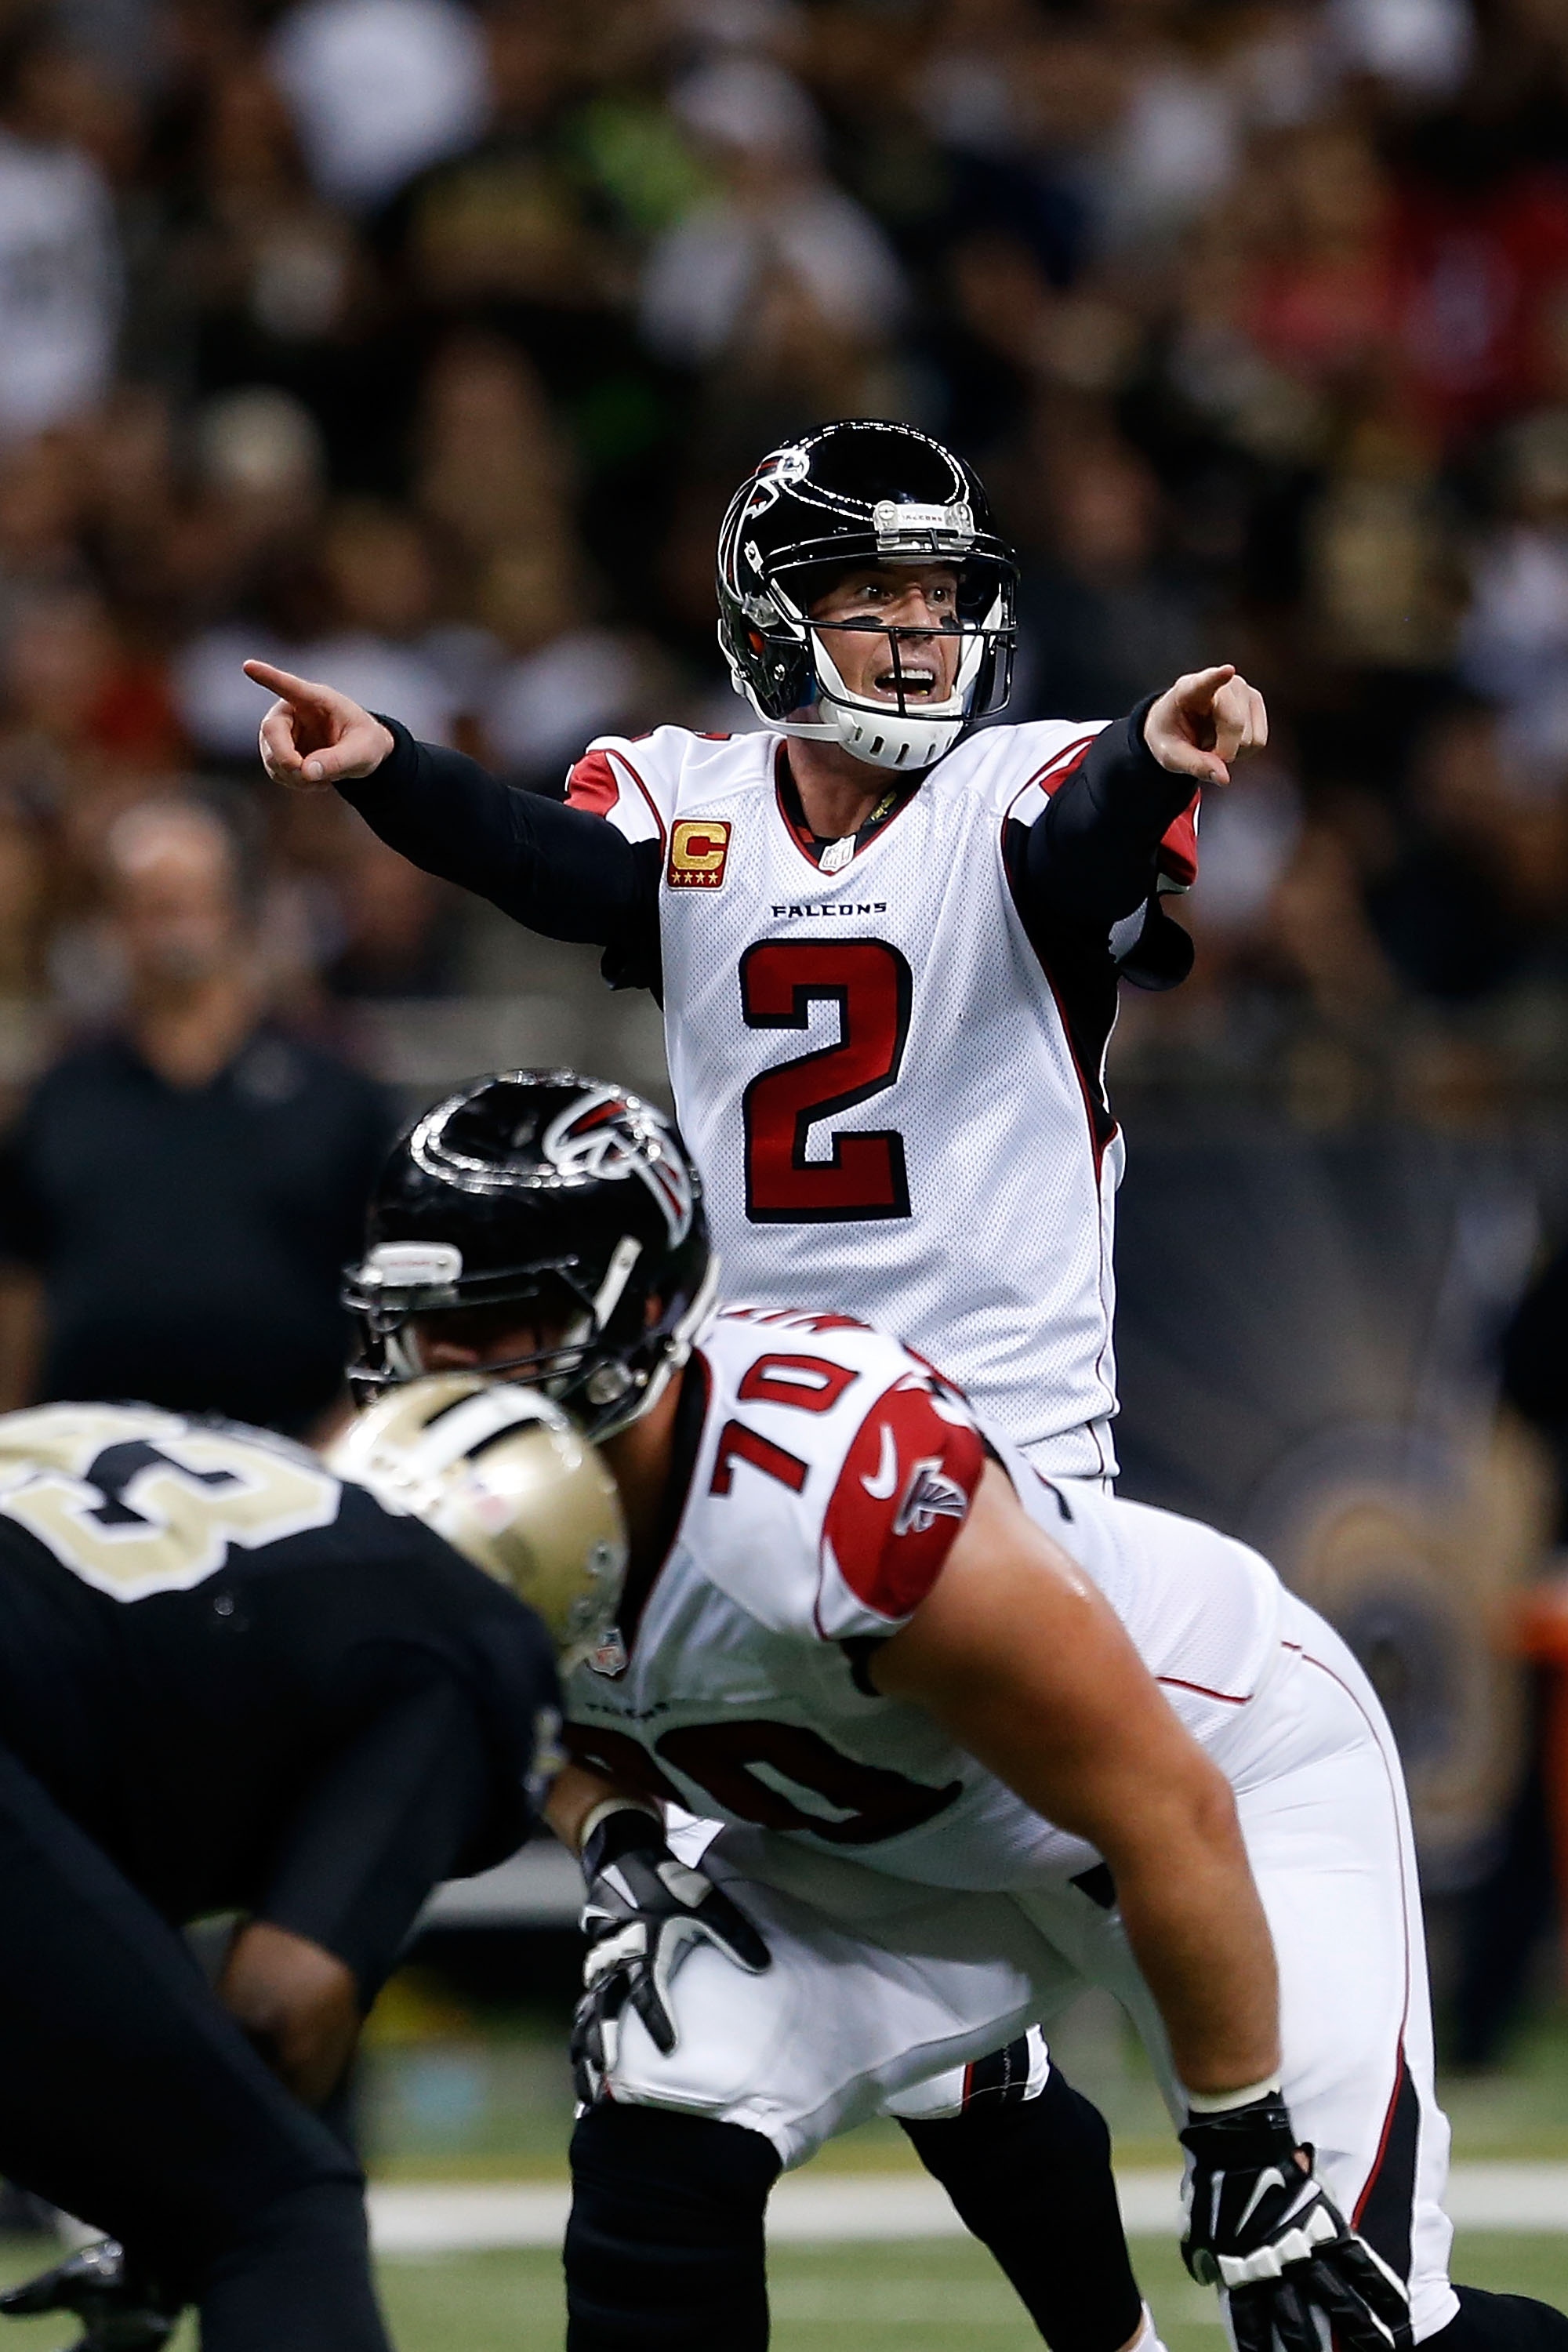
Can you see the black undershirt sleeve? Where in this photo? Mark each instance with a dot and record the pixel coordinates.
(560, 871)
(399, 1809)
(1089, 860)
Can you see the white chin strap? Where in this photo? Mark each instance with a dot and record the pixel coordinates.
(879, 732)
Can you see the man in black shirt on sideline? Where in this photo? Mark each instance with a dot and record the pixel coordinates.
(230, 1681)
(186, 1187)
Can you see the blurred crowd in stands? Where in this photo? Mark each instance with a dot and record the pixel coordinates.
(417, 345)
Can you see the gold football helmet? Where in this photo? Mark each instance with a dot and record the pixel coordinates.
(511, 1481)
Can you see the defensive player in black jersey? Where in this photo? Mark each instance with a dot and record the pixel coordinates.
(230, 1681)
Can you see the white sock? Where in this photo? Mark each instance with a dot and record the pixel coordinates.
(1148, 2337)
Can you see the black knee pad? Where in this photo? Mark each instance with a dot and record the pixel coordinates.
(1031, 2180)
(1500, 2323)
(1058, 2134)
(665, 2250)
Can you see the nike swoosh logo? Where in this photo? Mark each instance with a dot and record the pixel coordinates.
(885, 1483)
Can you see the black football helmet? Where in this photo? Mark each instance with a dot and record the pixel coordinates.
(855, 492)
(540, 1189)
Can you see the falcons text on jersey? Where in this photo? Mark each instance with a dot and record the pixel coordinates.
(895, 1097)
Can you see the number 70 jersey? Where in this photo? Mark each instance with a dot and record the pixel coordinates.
(822, 1475)
(894, 1096)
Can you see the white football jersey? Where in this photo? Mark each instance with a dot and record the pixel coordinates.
(894, 1103)
(828, 1472)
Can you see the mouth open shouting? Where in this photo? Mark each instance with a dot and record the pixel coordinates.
(910, 660)
(919, 679)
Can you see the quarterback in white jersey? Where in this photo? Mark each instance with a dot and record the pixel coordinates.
(869, 1064)
(975, 1739)
(888, 946)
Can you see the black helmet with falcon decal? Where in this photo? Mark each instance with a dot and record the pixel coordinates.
(863, 490)
(565, 1200)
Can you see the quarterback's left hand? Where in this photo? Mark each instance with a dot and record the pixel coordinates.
(1204, 722)
(644, 1911)
(1260, 2224)
(118, 2311)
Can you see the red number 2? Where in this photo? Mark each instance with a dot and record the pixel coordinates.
(864, 1175)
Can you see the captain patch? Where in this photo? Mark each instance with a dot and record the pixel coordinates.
(697, 851)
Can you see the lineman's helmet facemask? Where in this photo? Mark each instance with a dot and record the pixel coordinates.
(542, 1202)
(862, 492)
(506, 1477)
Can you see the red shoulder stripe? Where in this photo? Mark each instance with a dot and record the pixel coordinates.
(591, 784)
(902, 1495)
(1179, 849)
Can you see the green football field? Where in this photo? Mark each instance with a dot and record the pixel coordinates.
(452, 2094)
(941, 2296)
(938, 2297)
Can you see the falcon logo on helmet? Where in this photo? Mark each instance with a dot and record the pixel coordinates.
(862, 491)
(552, 1225)
(594, 1137)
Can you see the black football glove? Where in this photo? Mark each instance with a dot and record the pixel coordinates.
(645, 1910)
(1261, 2225)
(119, 2311)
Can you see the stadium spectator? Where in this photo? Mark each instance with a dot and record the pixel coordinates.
(1257, 317)
(184, 1189)
(379, 88)
(60, 278)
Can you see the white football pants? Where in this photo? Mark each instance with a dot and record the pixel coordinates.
(879, 1985)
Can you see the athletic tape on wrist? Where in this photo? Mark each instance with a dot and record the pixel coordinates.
(1220, 2103)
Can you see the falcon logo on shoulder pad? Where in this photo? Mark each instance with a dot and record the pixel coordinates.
(699, 851)
(929, 1496)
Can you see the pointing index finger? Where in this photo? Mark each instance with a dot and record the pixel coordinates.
(281, 681)
(1204, 684)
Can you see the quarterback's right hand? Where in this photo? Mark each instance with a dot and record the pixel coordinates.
(118, 2311)
(1261, 2226)
(644, 1909)
(313, 735)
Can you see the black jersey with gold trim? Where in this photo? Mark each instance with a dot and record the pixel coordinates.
(253, 1686)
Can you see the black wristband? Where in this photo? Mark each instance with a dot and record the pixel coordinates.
(628, 1830)
(1259, 2134)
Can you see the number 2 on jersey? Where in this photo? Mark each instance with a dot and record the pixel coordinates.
(864, 1174)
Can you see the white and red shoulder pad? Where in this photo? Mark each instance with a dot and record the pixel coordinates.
(837, 1470)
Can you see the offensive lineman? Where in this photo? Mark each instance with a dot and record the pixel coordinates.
(445, 1283)
(231, 1680)
(978, 1738)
